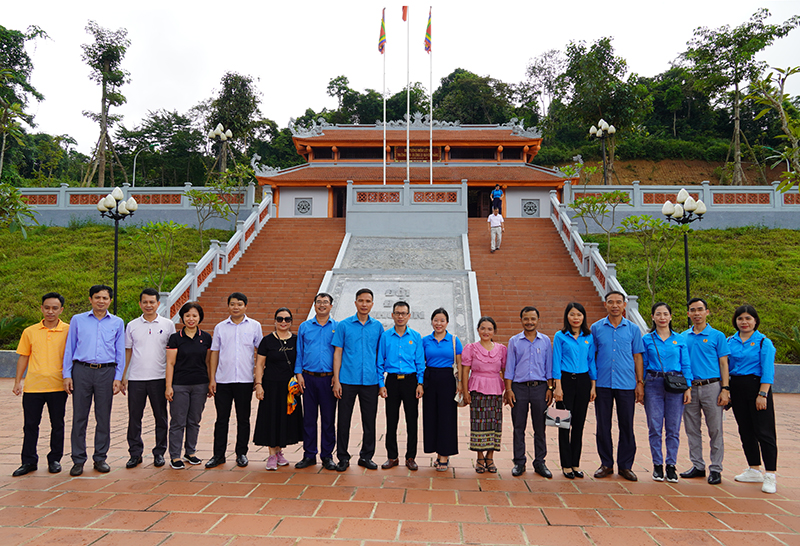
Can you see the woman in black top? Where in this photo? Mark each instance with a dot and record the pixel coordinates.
(275, 427)
(187, 384)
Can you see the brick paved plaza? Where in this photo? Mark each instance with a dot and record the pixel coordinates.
(234, 506)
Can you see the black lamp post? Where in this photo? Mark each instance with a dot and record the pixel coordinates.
(602, 132)
(115, 207)
(686, 211)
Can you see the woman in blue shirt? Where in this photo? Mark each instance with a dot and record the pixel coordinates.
(497, 198)
(752, 369)
(439, 409)
(575, 373)
(665, 353)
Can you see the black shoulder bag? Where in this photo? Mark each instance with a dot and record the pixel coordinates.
(672, 383)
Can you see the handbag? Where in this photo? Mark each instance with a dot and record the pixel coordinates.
(672, 383)
(561, 418)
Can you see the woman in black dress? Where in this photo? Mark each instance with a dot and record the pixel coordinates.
(275, 427)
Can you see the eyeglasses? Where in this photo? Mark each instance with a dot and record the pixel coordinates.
(283, 319)
(399, 314)
(322, 302)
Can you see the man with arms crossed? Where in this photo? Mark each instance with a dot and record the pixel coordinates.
(94, 360)
(708, 353)
(620, 372)
(230, 377)
(41, 354)
(145, 376)
(355, 374)
(401, 357)
(529, 383)
(314, 371)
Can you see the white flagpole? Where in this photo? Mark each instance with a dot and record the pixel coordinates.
(384, 104)
(408, 94)
(430, 147)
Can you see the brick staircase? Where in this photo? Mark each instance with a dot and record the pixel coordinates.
(532, 268)
(283, 267)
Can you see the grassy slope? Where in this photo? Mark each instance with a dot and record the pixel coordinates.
(70, 260)
(727, 268)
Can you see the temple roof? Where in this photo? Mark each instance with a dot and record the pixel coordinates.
(372, 173)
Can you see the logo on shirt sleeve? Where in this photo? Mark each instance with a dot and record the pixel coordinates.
(586, 341)
(674, 341)
(705, 341)
(752, 343)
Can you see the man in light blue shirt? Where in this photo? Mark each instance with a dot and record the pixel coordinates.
(355, 375)
(94, 362)
(314, 371)
(529, 381)
(401, 358)
(708, 354)
(620, 381)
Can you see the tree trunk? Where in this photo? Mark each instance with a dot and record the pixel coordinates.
(101, 148)
(738, 173)
(2, 154)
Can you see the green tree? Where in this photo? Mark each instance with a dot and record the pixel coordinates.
(724, 57)
(15, 212)
(471, 99)
(542, 76)
(104, 57)
(236, 107)
(597, 208)
(156, 243)
(16, 86)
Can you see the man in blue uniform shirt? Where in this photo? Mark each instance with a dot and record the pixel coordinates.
(94, 361)
(708, 354)
(401, 357)
(528, 379)
(620, 381)
(355, 375)
(314, 370)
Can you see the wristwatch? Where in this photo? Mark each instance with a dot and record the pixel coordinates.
(726, 387)
(762, 394)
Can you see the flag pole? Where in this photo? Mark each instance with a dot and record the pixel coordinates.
(383, 52)
(408, 95)
(430, 52)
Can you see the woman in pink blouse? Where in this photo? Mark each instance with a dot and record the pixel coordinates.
(482, 366)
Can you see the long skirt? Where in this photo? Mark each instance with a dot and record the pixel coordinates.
(274, 427)
(440, 412)
(485, 421)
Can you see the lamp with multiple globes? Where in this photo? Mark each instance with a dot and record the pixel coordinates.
(115, 206)
(602, 132)
(223, 135)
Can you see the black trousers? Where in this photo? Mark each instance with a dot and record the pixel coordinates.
(32, 407)
(603, 408)
(368, 404)
(228, 394)
(756, 427)
(401, 391)
(138, 393)
(440, 412)
(533, 399)
(576, 387)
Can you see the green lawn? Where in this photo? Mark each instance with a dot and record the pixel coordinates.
(727, 268)
(71, 259)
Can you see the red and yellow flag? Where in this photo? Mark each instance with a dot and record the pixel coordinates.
(382, 37)
(428, 34)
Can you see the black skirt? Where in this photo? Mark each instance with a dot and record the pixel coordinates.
(274, 427)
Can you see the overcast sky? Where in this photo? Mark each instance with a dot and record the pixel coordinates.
(180, 49)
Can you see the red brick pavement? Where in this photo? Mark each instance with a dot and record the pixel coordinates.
(234, 506)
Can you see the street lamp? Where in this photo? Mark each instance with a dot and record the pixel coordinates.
(114, 206)
(151, 147)
(223, 135)
(602, 132)
(686, 211)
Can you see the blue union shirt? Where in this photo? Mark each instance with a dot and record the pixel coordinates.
(671, 354)
(400, 354)
(751, 357)
(705, 350)
(314, 349)
(615, 350)
(572, 355)
(359, 344)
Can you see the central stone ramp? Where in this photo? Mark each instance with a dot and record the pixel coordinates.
(425, 272)
(532, 268)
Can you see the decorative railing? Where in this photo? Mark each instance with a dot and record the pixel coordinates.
(588, 260)
(219, 260)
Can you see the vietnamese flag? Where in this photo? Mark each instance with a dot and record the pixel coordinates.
(405, 13)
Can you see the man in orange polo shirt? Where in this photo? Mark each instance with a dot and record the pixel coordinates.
(41, 351)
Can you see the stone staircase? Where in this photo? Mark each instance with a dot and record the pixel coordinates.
(283, 267)
(532, 268)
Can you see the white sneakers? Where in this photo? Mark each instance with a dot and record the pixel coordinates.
(769, 485)
(752, 475)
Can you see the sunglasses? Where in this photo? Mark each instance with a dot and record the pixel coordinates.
(283, 319)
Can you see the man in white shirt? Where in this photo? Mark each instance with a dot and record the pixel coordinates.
(145, 376)
(496, 228)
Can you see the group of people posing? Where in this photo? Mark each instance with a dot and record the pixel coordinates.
(318, 374)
